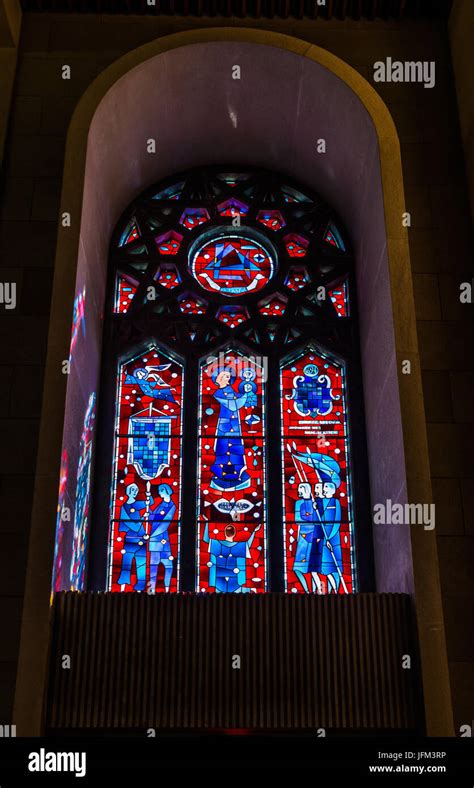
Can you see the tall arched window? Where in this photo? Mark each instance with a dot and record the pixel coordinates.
(230, 422)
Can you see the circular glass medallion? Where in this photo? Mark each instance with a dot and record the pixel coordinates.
(232, 265)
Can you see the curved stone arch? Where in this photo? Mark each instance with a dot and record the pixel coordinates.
(288, 97)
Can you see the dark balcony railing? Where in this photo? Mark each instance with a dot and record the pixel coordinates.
(170, 662)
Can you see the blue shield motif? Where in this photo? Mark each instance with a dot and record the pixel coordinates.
(149, 443)
(312, 393)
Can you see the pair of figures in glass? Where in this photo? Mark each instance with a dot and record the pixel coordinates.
(318, 546)
(134, 517)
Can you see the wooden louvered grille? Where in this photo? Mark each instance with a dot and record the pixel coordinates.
(339, 9)
(165, 661)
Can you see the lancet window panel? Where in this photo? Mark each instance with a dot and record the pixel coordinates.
(317, 496)
(231, 490)
(147, 475)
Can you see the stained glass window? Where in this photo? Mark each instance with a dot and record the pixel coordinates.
(297, 278)
(146, 485)
(168, 276)
(233, 316)
(271, 219)
(62, 519)
(233, 208)
(339, 295)
(318, 528)
(296, 245)
(231, 509)
(237, 272)
(192, 217)
(131, 233)
(273, 306)
(232, 265)
(294, 195)
(334, 238)
(169, 243)
(171, 193)
(81, 509)
(126, 288)
(78, 319)
(191, 305)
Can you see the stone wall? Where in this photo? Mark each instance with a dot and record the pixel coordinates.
(441, 253)
(461, 26)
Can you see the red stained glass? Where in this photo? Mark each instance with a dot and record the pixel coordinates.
(131, 233)
(231, 503)
(191, 305)
(146, 486)
(232, 208)
(169, 243)
(125, 290)
(230, 459)
(297, 278)
(232, 265)
(233, 316)
(193, 217)
(318, 523)
(61, 521)
(296, 245)
(168, 276)
(333, 237)
(274, 306)
(339, 296)
(271, 219)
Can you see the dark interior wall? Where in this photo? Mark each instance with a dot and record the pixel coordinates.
(441, 254)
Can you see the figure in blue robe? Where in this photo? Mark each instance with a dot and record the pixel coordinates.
(159, 542)
(304, 520)
(326, 554)
(228, 561)
(134, 544)
(314, 558)
(229, 469)
(249, 387)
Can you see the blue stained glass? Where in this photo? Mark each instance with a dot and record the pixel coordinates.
(232, 265)
(81, 511)
(146, 486)
(171, 192)
(231, 506)
(317, 498)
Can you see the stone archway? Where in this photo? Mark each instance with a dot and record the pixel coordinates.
(181, 92)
